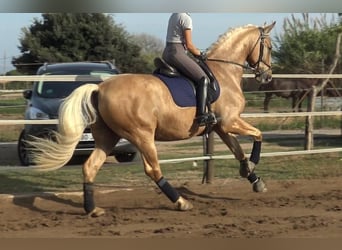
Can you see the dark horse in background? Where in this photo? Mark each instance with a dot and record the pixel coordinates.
(298, 89)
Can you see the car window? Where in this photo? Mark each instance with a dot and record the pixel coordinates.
(60, 89)
(57, 89)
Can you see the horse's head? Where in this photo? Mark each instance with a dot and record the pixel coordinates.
(259, 58)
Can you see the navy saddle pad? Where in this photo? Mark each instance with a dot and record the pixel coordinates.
(182, 90)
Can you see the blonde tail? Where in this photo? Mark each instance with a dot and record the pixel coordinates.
(75, 114)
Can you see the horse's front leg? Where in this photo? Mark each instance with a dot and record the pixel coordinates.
(247, 166)
(268, 97)
(295, 103)
(152, 169)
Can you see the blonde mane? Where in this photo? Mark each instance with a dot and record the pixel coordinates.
(228, 34)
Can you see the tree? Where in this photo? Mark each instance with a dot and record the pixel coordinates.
(307, 45)
(67, 37)
(151, 47)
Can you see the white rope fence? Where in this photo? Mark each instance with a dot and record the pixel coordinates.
(293, 114)
(270, 154)
(244, 115)
(71, 78)
(311, 76)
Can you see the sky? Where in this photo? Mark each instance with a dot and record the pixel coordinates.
(207, 27)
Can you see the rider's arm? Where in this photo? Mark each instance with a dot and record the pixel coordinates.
(188, 43)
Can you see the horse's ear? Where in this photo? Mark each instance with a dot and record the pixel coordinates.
(269, 27)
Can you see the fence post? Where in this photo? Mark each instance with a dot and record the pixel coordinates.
(309, 124)
(208, 165)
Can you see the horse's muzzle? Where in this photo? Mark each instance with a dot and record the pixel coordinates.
(264, 76)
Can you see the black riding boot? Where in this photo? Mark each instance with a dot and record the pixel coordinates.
(202, 117)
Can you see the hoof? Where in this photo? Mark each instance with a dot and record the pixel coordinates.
(97, 212)
(259, 186)
(183, 205)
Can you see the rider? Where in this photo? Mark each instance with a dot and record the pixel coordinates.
(178, 44)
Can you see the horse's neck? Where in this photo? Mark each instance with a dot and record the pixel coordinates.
(234, 49)
(234, 46)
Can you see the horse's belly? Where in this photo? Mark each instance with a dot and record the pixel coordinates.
(176, 130)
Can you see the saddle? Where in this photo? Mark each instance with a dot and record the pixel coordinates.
(170, 75)
(164, 68)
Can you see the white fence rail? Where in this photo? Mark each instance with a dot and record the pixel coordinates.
(51, 78)
(6, 79)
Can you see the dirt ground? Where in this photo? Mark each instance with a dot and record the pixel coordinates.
(227, 208)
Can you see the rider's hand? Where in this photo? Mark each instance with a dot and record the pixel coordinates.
(202, 56)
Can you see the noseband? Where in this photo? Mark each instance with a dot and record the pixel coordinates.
(254, 67)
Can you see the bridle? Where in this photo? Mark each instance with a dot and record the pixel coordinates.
(253, 67)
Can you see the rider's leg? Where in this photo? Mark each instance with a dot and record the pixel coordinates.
(175, 56)
(202, 116)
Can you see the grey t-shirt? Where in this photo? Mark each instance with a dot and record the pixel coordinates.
(178, 22)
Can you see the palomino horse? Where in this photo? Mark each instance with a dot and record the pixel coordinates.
(139, 107)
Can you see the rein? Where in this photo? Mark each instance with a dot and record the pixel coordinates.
(231, 62)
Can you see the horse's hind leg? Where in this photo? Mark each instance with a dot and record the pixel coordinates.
(152, 169)
(105, 140)
(247, 166)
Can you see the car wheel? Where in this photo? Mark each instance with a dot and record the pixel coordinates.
(22, 149)
(125, 157)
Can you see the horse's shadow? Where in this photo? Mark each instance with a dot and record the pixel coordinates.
(188, 194)
(184, 191)
(28, 200)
